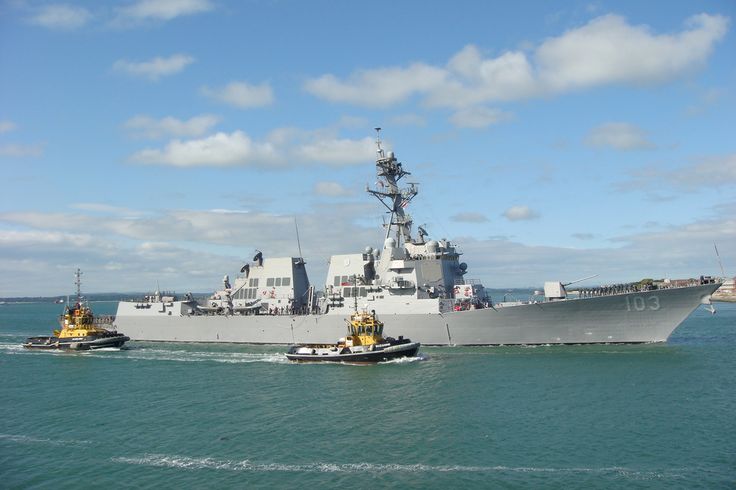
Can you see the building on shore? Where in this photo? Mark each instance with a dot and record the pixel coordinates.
(727, 292)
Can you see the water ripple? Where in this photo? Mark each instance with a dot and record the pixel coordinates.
(23, 439)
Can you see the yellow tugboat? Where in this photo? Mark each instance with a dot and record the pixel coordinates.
(78, 330)
(363, 344)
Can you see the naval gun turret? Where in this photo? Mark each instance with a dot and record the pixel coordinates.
(556, 291)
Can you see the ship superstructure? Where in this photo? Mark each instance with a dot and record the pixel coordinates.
(406, 268)
(420, 281)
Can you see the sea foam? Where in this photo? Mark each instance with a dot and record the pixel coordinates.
(190, 463)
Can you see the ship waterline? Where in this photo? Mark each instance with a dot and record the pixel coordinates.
(416, 285)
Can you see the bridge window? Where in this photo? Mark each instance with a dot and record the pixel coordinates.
(269, 282)
(278, 281)
(286, 281)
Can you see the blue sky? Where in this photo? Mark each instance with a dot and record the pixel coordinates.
(163, 141)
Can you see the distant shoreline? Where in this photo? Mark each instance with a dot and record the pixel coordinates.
(92, 298)
(11, 301)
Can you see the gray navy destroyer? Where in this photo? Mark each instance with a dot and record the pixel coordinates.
(417, 283)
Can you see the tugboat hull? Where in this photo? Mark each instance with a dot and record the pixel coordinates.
(83, 343)
(307, 353)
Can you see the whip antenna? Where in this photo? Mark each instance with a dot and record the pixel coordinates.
(298, 243)
(723, 274)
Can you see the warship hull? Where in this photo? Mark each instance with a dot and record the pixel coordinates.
(649, 316)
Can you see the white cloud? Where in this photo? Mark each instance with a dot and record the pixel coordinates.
(104, 209)
(16, 238)
(281, 148)
(607, 50)
(706, 100)
(14, 150)
(475, 80)
(228, 211)
(478, 117)
(619, 136)
(242, 94)
(705, 173)
(220, 149)
(148, 127)
(21, 151)
(154, 69)
(165, 9)
(378, 88)
(684, 243)
(61, 16)
(470, 217)
(331, 189)
(7, 126)
(190, 250)
(337, 151)
(708, 172)
(408, 119)
(26, 257)
(520, 213)
(352, 122)
(183, 249)
(213, 227)
(689, 253)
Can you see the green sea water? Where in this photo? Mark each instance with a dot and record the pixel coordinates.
(236, 416)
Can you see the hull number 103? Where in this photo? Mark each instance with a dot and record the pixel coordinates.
(640, 303)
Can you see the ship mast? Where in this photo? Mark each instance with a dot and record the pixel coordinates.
(389, 172)
(78, 282)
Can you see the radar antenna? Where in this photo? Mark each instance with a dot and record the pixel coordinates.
(422, 232)
(379, 150)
